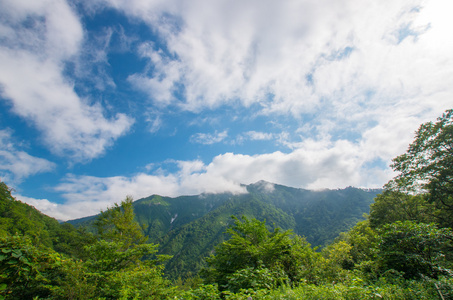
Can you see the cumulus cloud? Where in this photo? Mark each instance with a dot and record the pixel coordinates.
(355, 65)
(296, 51)
(315, 165)
(36, 41)
(15, 164)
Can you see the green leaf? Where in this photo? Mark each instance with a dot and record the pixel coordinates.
(17, 253)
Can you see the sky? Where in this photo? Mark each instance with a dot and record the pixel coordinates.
(100, 99)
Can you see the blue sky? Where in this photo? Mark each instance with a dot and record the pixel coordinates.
(101, 99)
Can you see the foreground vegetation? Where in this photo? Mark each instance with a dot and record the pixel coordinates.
(402, 250)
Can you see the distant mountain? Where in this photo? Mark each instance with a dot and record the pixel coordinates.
(189, 227)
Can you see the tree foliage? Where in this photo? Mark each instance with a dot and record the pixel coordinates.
(416, 250)
(255, 257)
(122, 264)
(427, 166)
(23, 268)
(118, 264)
(392, 206)
(22, 219)
(118, 225)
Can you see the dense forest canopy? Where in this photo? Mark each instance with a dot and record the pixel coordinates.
(401, 250)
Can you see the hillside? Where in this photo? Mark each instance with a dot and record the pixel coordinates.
(20, 218)
(189, 227)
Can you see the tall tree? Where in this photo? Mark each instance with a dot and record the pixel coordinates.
(255, 257)
(427, 166)
(118, 224)
(122, 264)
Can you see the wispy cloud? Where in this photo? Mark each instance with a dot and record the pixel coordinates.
(161, 83)
(15, 164)
(259, 136)
(36, 42)
(209, 138)
(154, 121)
(254, 136)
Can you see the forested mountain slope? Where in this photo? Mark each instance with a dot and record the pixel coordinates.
(20, 218)
(188, 227)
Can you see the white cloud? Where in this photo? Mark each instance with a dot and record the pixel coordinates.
(208, 139)
(32, 57)
(233, 49)
(16, 165)
(315, 165)
(259, 136)
(87, 195)
(349, 63)
(161, 84)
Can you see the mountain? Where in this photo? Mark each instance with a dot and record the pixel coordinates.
(189, 227)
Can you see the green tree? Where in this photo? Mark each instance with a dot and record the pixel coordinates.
(427, 166)
(416, 249)
(363, 254)
(392, 206)
(118, 225)
(121, 263)
(256, 257)
(73, 281)
(364, 241)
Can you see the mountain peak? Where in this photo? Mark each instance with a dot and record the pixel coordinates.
(263, 186)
